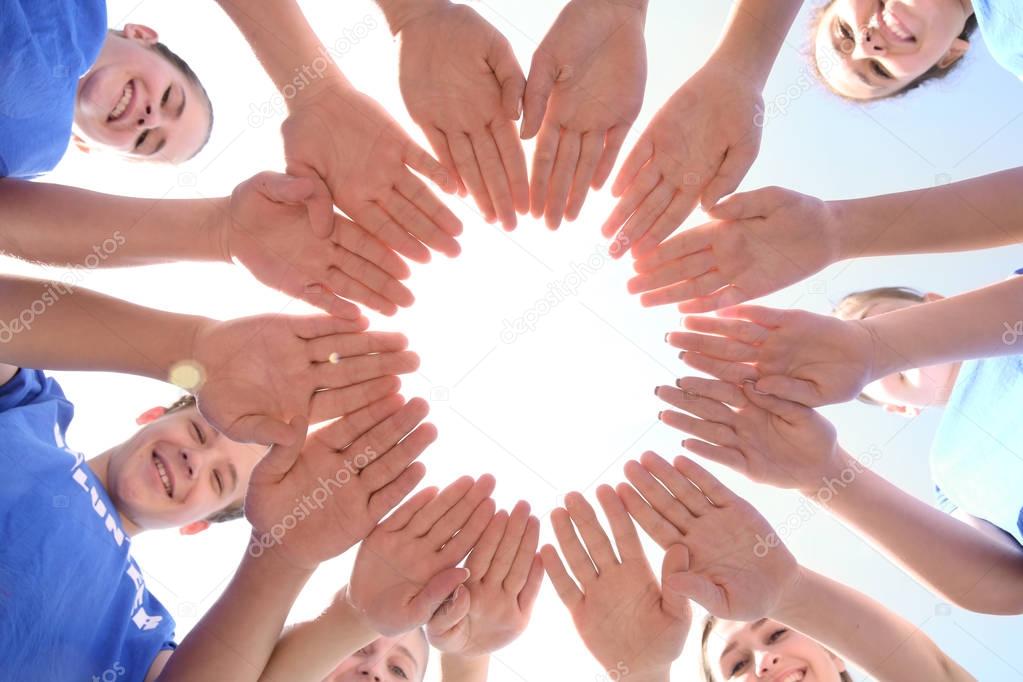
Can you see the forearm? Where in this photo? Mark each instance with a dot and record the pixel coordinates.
(979, 213)
(887, 647)
(311, 650)
(58, 225)
(235, 638)
(400, 12)
(935, 333)
(754, 35)
(284, 43)
(953, 559)
(459, 669)
(50, 325)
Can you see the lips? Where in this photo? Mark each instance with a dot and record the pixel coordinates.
(893, 27)
(791, 676)
(163, 472)
(123, 105)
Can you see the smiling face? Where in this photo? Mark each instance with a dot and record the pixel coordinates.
(177, 470)
(767, 651)
(388, 659)
(135, 101)
(867, 49)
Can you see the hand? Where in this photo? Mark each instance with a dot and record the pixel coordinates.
(591, 67)
(347, 139)
(463, 86)
(766, 439)
(369, 456)
(406, 567)
(699, 146)
(760, 242)
(493, 606)
(268, 230)
(738, 568)
(798, 356)
(256, 372)
(619, 609)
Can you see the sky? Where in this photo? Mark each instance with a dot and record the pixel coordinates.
(563, 406)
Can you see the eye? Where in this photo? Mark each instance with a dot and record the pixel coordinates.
(880, 70)
(844, 31)
(166, 97)
(200, 437)
(776, 635)
(141, 139)
(219, 481)
(399, 672)
(737, 668)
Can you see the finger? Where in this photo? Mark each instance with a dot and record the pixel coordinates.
(682, 204)
(538, 91)
(324, 298)
(679, 486)
(736, 164)
(756, 204)
(567, 589)
(279, 459)
(598, 545)
(439, 142)
(653, 205)
(327, 348)
(355, 239)
(388, 497)
(457, 517)
(719, 434)
(730, 457)
(722, 298)
(729, 372)
(437, 589)
(794, 390)
(469, 169)
(451, 613)
(634, 162)
(624, 531)
(721, 391)
(360, 368)
(393, 293)
(578, 560)
(747, 332)
(483, 553)
(308, 327)
(715, 346)
(343, 401)
(404, 514)
(657, 496)
(765, 317)
(423, 521)
(639, 190)
(679, 246)
(531, 588)
(310, 190)
(660, 530)
(508, 548)
(525, 559)
(680, 270)
(388, 466)
(418, 159)
(420, 196)
(791, 412)
(456, 549)
(700, 589)
(364, 277)
(561, 177)
(612, 146)
(341, 433)
(380, 225)
(514, 159)
(713, 489)
(674, 603)
(489, 159)
(258, 429)
(697, 405)
(544, 156)
(591, 145)
(701, 285)
(509, 74)
(417, 223)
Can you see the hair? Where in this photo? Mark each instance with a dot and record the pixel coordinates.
(237, 511)
(855, 307)
(934, 73)
(708, 672)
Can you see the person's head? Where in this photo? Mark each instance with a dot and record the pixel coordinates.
(177, 471)
(873, 49)
(142, 100)
(907, 392)
(767, 651)
(388, 659)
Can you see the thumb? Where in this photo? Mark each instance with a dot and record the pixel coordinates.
(733, 169)
(430, 598)
(307, 188)
(451, 612)
(789, 411)
(787, 388)
(676, 560)
(509, 74)
(697, 587)
(262, 429)
(739, 206)
(282, 456)
(538, 91)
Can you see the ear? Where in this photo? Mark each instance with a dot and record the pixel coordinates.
(80, 144)
(194, 527)
(140, 33)
(150, 415)
(958, 48)
(932, 297)
(895, 409)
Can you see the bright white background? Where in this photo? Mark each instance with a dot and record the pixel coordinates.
(564, 406)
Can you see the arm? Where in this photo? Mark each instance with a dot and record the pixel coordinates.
(753, 37)
(455, 668)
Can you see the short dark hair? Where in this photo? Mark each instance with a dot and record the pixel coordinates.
(934, 73)
(182, 66)
(231, 513)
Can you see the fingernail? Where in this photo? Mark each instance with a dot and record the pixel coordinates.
(659, 414)
(656, 389)
(678, 382)
(666, 337)
(681, 355)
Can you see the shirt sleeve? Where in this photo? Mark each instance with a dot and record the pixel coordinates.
(943, 503)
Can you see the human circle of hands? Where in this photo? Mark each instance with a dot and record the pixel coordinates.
(447, 558)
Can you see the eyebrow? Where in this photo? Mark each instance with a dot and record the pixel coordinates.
(732, 645)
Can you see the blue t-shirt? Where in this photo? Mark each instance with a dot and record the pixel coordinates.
(45, 47)
(1001, 24)
(977, 455)
(73, 604)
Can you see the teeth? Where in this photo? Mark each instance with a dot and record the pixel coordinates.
(163, 475)
(122, 104)
(896, 27)
(792, 677)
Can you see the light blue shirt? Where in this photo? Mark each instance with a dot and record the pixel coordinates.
(1001, 24)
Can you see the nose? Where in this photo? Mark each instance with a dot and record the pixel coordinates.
(148, 118)
(191, 463)
(369, 672)
(766, 662)
(870, 44)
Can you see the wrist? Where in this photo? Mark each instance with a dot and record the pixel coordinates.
(459, 667)
(399, 13)
(835, 466)
(217, 230)
(625, 674)
(884, 360)
(793, 598)
(639, 6)
(347, 619)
